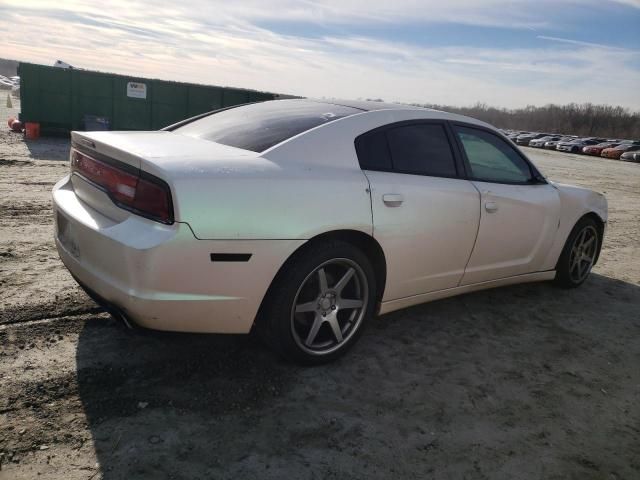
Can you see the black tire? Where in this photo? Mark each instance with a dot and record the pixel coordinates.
(566, 273)
(281, 327)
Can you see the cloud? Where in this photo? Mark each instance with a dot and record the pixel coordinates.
(630, 3)
(578, 42)
(223, 43)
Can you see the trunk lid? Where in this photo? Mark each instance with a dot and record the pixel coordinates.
(158, 147)
(166, 155)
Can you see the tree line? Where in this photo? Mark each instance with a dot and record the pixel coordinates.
(585, 119)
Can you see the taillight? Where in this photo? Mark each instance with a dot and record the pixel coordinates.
(136, 191)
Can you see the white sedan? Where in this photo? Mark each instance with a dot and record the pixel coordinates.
(303, 219)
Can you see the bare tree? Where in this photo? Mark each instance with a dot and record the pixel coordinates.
(584, 119)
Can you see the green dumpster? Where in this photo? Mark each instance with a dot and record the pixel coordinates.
(63, 99)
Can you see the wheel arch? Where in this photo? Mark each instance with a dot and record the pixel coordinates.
(363, 241)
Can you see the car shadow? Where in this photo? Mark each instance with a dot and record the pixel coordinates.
(455, 387)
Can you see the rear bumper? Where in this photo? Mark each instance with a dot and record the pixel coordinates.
(160, 276)
(114, 310)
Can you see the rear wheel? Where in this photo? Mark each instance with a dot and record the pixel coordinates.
(579, 254)
(319, 306)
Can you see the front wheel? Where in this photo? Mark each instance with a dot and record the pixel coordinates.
(579, 254)
(320, 303)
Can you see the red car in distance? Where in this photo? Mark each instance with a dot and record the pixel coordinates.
(597, 149)
(616, 152)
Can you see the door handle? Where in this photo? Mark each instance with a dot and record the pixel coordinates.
(392, 199)
(491, 207)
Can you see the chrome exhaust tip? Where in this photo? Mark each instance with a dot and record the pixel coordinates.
(121, 317)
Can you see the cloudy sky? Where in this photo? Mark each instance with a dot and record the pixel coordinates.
(506, 53)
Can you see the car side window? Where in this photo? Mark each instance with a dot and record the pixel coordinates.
(373, 151)
(420, 148)
(491, 159)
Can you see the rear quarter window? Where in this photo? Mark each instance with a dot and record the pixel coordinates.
(373, 151)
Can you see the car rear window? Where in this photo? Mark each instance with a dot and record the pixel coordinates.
(421, 149)
(260, 126)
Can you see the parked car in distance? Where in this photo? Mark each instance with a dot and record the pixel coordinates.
(630, 156)
(551, 144)
(616, 152)
(576, 146)
(597, 149)
(524, 140)
(523, 136)
(515, 134)
(302, 219)
(540, 142)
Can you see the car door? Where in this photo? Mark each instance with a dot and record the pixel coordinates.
(424, 216)
(519, 213)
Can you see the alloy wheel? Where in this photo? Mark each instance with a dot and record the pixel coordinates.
(329, 306)
(583, 254)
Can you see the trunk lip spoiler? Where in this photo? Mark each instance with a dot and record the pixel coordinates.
(75, 145)
(86, 141)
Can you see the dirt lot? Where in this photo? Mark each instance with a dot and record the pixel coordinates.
(521, 382)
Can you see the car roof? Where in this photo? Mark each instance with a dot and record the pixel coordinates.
(367, 105)
(410, 112)
(362, 117)
(339, 135)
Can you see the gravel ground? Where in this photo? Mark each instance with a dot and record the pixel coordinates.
(522, 382)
